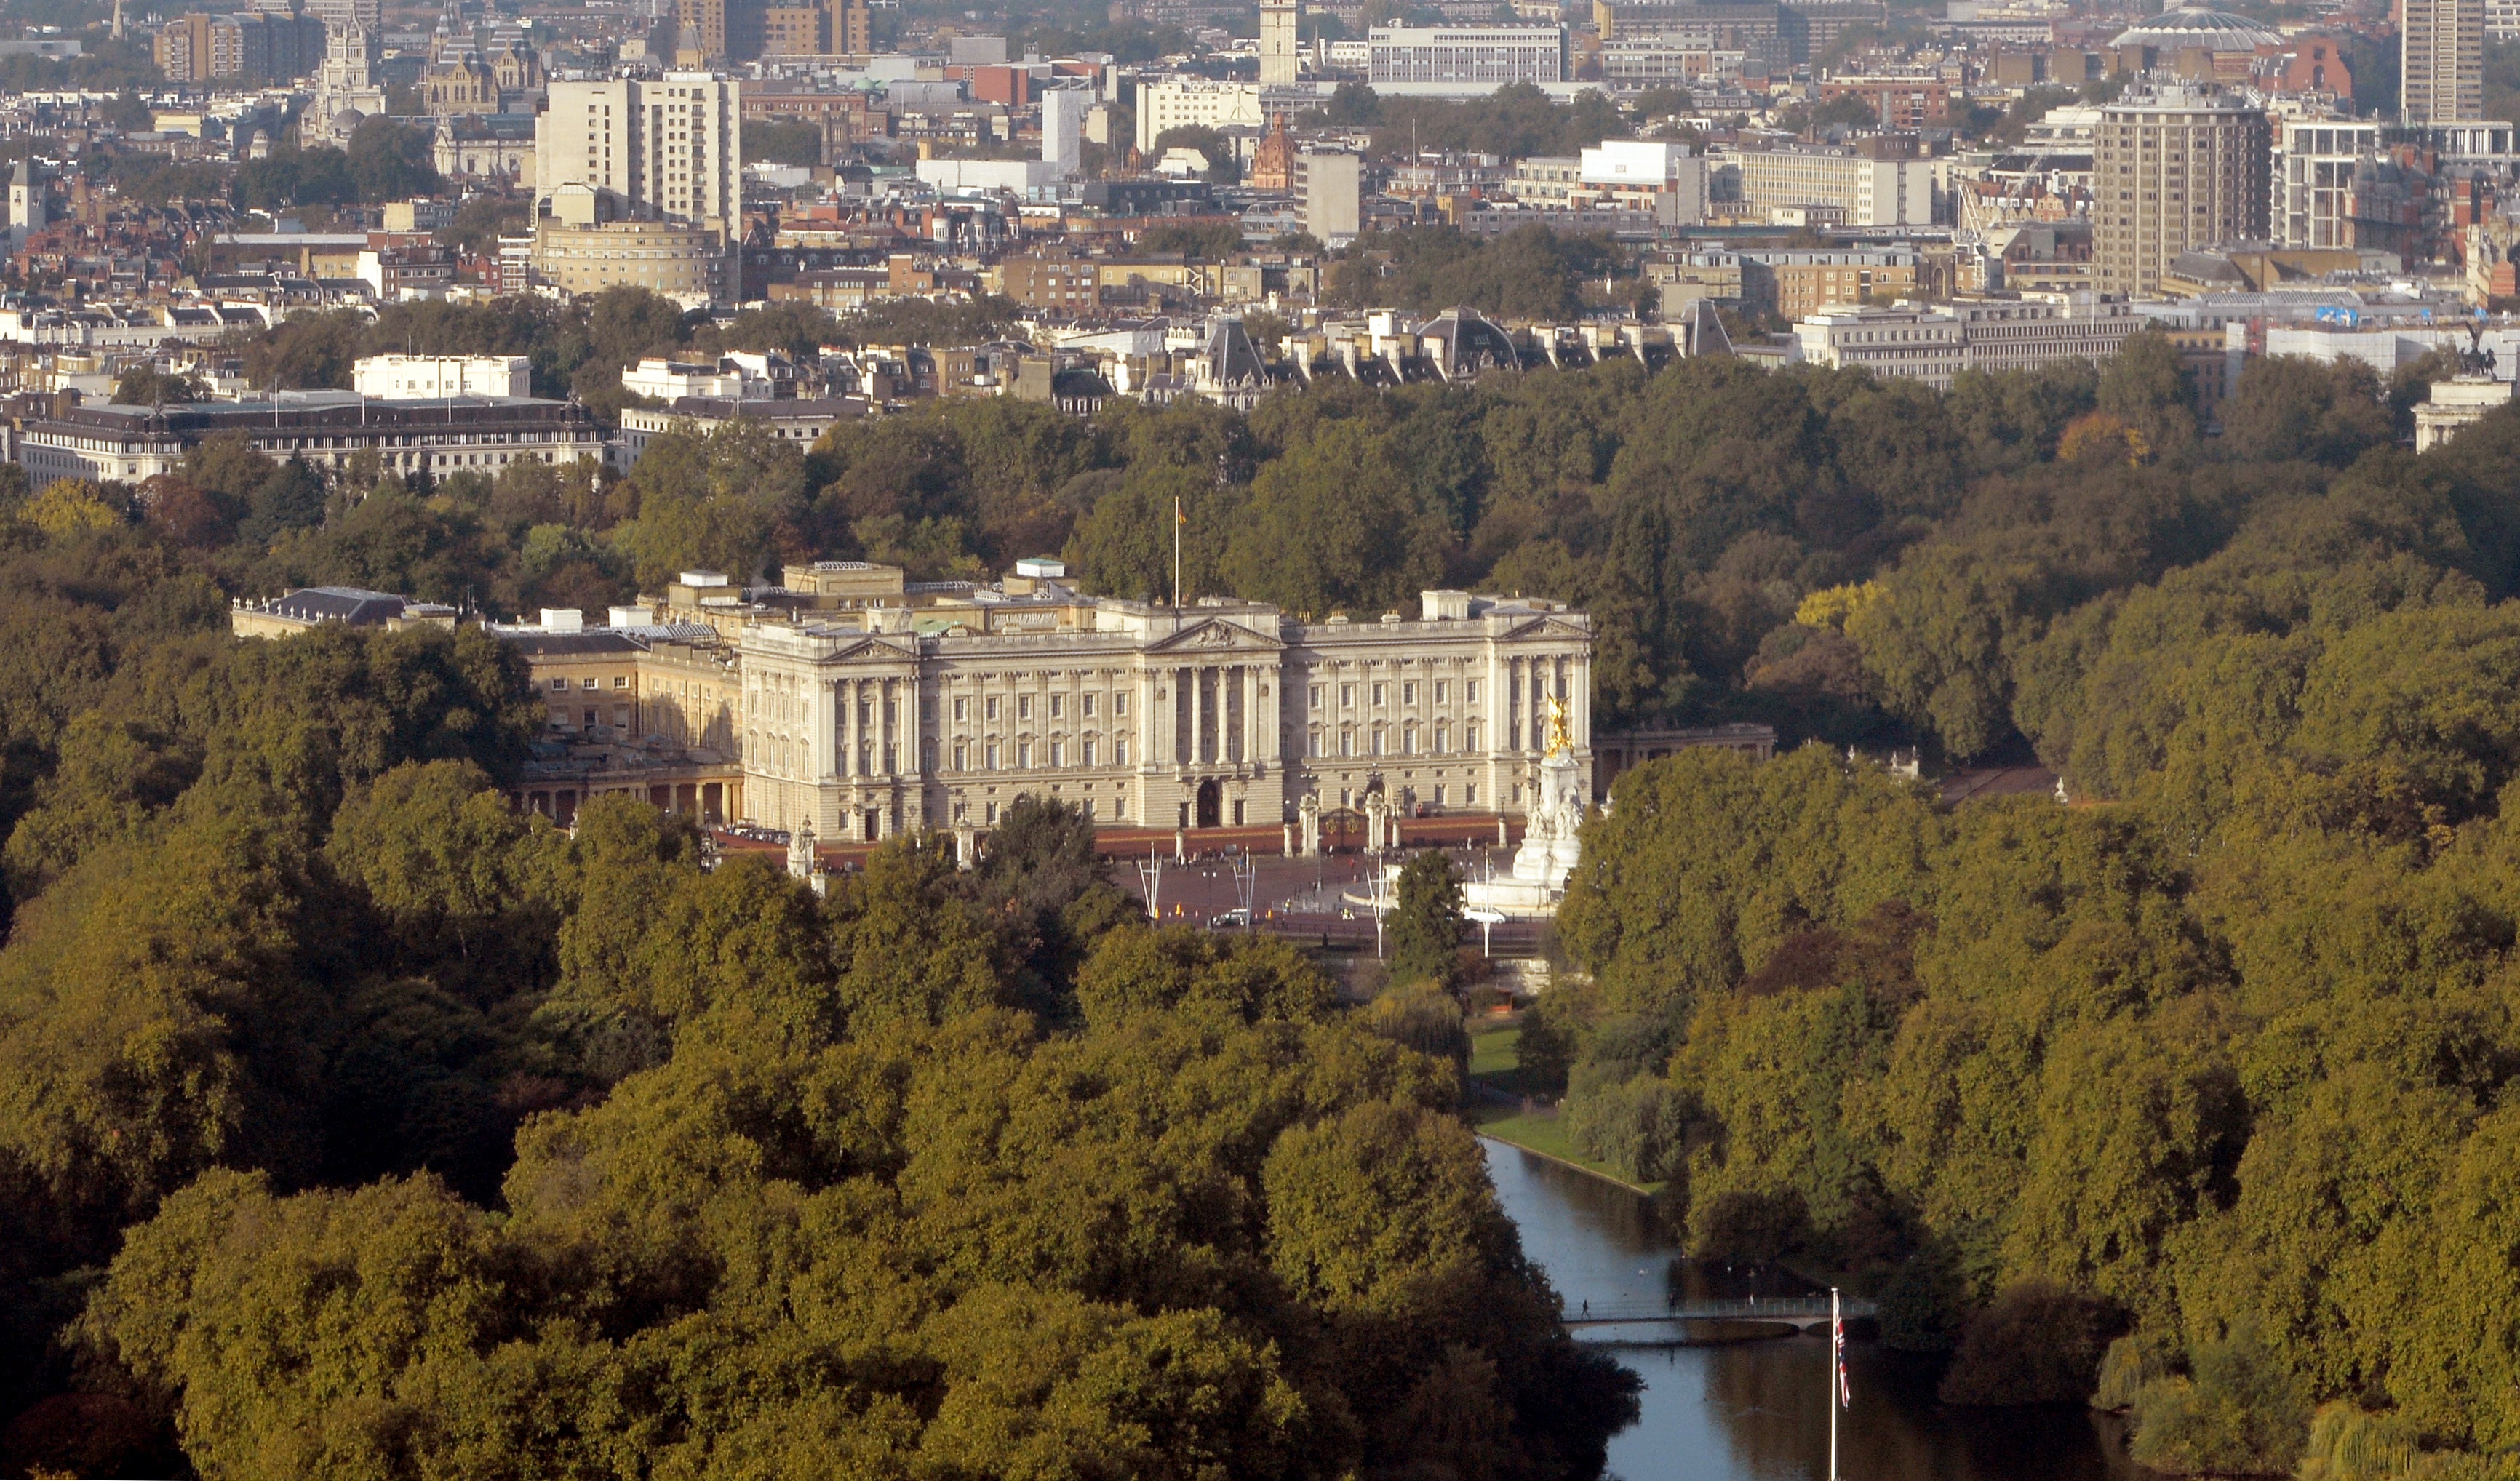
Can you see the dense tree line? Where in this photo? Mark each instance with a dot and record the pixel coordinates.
(1529, 273)
(2205, 1080)
(1513, 122)
(352, 1122)
(1851, 559)
(2191, 1099)
(580, 349)
(384, 161)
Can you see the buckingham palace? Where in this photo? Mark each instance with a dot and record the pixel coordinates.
(871, 706)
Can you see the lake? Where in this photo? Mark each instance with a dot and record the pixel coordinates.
(1759, 1410)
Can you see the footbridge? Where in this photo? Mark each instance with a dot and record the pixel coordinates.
(1801, 1313)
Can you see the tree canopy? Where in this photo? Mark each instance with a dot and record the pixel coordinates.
(351, 1118)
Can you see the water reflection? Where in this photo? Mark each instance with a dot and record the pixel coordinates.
(1759, 1410)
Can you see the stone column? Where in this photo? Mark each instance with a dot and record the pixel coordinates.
(915, 761)
(1580, 700)
(840, 729)
(856, 729)
(1177, 718)
(1197, 678)
(1232, 713)
(1270, 725)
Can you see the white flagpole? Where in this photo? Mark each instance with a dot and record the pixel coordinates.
(1177, 526)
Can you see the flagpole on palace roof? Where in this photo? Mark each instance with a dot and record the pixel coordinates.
(1179, 519)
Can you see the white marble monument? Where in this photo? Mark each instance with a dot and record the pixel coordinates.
(1549, 837)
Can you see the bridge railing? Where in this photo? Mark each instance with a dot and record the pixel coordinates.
(1778, 1308)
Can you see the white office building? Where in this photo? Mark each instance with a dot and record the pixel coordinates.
(1062, 127)
(1481, 55)
(1669, 179)
(418, 377)
(1864, 186)
(1188, 102)
(1331, 190)
(1934, 344)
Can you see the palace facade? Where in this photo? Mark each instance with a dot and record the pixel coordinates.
(871, 706)
(863, 705)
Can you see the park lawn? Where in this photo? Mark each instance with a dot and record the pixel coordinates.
(1493, 1052)
(1493, 1064)
(1543, 1132)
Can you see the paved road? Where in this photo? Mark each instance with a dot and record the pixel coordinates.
(1303, 899)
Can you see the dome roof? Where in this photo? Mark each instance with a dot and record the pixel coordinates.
(2193, 26)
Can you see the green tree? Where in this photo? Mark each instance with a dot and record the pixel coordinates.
(1935, 643)
(150, 388)
(292, 498)
(2289, 406)
(2037, 1344)
(2144, 386)
(780, 141)
(1212, 239)
(1426, 922)
(390, 160)
(1173, 969)
(466, 885)
(1332, 526)
(2238, 1413)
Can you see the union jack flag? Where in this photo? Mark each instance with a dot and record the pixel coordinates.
(1837, 1352)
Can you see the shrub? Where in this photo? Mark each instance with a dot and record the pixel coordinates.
(2038, 1343)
